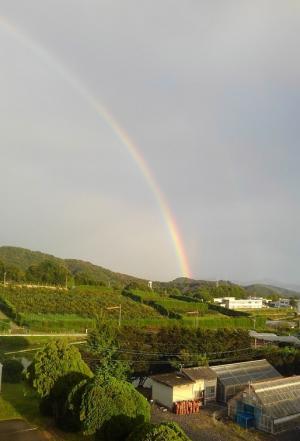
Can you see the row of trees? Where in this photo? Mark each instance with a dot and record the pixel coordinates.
(101, 401)
(48, 272)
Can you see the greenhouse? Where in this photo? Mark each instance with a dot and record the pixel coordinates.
(232, 378)
(271, 406)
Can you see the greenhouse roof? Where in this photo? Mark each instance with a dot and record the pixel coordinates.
(280, 397)
(245, 372)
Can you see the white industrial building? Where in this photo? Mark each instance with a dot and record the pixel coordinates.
(233, 303)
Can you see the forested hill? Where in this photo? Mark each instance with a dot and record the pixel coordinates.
(22, 264)
(267, 290)
(22, 259)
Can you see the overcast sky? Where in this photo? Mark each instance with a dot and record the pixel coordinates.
(209, 91)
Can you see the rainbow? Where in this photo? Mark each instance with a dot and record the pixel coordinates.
(123, 136)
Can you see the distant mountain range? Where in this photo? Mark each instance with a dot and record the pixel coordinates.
(23, 258)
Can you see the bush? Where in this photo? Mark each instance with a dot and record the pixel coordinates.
(12, 371)
(112, 409)
(158, 432)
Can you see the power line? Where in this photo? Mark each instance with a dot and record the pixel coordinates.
(192, 354)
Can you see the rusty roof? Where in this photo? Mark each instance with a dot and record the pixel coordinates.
(172, 379)
(200, 373)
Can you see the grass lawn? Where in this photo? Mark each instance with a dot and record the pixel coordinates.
(20, 401)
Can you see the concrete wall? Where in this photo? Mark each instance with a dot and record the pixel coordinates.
(183, 393)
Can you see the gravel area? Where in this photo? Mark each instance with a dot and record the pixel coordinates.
(204, 427)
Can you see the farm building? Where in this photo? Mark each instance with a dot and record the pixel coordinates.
(232, 378)
(271, 406)
(191, 384)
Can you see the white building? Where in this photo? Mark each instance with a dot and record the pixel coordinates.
(281, 303)
(250, 303)
(233, 303)
(198, 383)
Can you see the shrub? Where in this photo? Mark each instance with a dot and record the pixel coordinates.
(158, 432)
(112, 409)
(12, 371)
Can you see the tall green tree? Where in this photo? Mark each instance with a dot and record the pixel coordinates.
(55, 360)
(103, 345)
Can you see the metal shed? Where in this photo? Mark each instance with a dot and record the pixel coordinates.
(232, 378)
(271, 406)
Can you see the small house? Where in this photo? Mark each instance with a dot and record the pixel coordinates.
(191, 384)
(272, 406)
(232, 378)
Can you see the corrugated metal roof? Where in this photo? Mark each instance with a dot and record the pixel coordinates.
(273, 338)
(245, 372)
(200, 373)
(172, 379)
(279, 397)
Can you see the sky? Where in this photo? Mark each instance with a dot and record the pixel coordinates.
(209, 91)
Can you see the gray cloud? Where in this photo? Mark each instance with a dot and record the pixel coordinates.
(210, 93)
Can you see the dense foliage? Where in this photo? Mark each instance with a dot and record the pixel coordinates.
(103, 345)
(55, 360)
(151, 352)
(158, 432)
(112, 409)
(47, 272)
(10, 272)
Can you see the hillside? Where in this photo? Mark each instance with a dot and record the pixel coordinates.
(269, 290)
(23, 258)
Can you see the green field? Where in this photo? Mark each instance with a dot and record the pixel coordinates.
(56, 322)
(43, 309)
(75, 310)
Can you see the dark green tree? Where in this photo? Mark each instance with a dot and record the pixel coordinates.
(112, 409)
(55, 360)
(102, 344)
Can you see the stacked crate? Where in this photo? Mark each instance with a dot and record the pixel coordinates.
(187, 407)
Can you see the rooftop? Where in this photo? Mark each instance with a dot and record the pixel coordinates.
(200, 373)
(268, 336)
(280, 397)
(245, 372)
(172, 379)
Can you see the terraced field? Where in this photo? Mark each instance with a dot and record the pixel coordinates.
(41, 307)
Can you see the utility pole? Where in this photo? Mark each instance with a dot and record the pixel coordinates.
(66, 282)
(4, 278)
(109, 308)
(120, 315)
